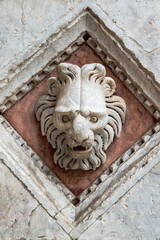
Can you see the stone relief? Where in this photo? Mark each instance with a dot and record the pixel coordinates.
(80, 116)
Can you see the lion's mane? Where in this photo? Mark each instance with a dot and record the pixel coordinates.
(116, 113)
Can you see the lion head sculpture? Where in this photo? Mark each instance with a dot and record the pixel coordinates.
(80, 115)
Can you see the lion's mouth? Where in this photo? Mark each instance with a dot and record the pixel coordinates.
(80, 151)
(79, 148)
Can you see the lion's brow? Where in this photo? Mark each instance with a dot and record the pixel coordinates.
(91, 113)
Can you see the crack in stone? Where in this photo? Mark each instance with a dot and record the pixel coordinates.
(31, 214)
(155, 173)
(30, 217)
(153, 50)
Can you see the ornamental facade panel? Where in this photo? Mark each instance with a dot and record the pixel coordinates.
(79, 123)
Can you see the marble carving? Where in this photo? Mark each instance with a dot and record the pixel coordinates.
(80, 116)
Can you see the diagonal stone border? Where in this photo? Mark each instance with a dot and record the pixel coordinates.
(77, 214)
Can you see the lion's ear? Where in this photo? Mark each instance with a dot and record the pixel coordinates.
(53, 86)
(109, 86)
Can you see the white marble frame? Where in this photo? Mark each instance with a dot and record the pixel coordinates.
(135, 163)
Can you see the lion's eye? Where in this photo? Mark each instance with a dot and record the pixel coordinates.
(94, 119)
(65, 119)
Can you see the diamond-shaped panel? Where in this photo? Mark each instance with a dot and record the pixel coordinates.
(22, 118)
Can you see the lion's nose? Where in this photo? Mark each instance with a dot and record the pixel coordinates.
(81, 132)
(79, 139)
(83, 138)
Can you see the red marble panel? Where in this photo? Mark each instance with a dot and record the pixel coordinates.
(22, 118)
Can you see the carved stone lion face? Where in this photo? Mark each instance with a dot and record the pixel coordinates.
(80, 115)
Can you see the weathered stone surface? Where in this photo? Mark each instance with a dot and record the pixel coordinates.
(22, 217)
(24, 26)
(134, 216)
(136, 19)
